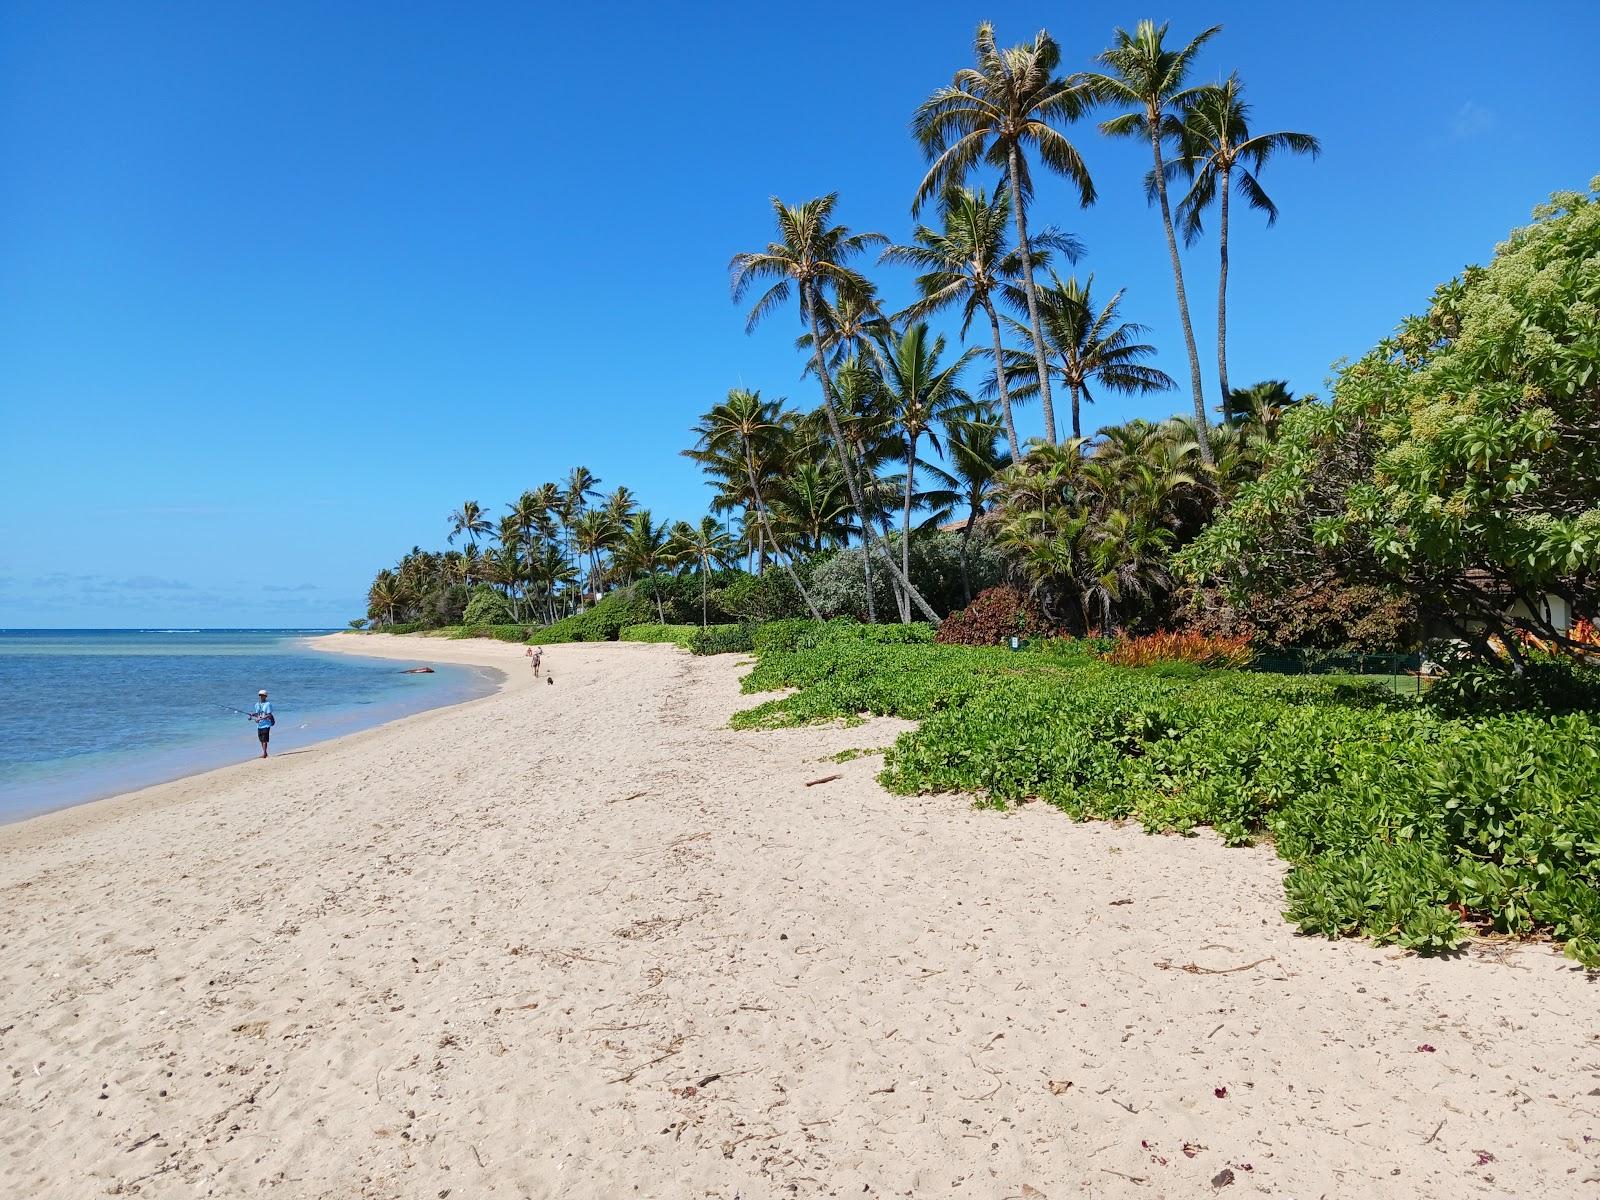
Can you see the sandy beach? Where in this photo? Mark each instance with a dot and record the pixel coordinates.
(583, 940)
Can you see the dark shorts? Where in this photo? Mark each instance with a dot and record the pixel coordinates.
(263, 734)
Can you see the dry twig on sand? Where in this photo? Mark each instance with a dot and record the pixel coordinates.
(1197, 969)
(824, 779)
(673, 1047)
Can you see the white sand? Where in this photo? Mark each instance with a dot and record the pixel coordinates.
(460, 956)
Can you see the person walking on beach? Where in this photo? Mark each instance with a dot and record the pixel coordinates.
(535, 657)
(261, 714)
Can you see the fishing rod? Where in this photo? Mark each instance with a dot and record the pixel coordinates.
(231, 708)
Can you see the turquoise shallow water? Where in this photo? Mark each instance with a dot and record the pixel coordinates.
(90, 713)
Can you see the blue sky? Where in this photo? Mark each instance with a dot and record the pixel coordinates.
(282, 284)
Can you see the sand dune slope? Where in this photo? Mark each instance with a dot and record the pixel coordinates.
(585, 941)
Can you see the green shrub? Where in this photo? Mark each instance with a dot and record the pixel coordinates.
(680, 597)
(721, 639)
(1395, 820)
(838, 583)
(404, 627)
(602, 623)
(1547, 683)
(487, 607)
(769, 596)
(678, 635)
(502, 633)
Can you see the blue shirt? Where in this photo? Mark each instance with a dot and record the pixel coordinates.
(261, 712)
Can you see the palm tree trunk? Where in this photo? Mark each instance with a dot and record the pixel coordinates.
(761, 512)
(1077, 429)
(1000, 382)
(866, 573)
(1222, 303)
(905, 526)
(851, 482)
(702, 596)
(1020, 216)
(966, 538)
(1202, 423)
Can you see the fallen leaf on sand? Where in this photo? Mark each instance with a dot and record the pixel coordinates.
(1222, 1178)
(1057, 1086)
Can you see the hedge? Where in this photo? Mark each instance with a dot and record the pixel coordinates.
(678, 635)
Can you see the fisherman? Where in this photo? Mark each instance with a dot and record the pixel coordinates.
(261, 714)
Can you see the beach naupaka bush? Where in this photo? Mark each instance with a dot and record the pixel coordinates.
(1401, 824)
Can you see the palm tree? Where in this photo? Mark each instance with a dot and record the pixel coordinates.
(869, 442)
(551, 570)
(592, 533)
(1010, 101)
(1149, 78)
(468, 520)
(812, 258)
(968, 262)
(972, 450)
(852, 326)
(1262, 406)
(1220, 150)
(582, 486)
(1093, 348)
(744, 421)
(921, 394)
(707, 546)
(809, 505)
(620, 504)
(644, 550)
(525, 515)
(383, 596)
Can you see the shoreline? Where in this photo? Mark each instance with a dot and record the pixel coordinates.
(154, 794)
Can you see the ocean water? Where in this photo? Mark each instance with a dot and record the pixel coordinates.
(90, 713)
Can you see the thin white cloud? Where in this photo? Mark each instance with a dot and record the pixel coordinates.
(1471, 120)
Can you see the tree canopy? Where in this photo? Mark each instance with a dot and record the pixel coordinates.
(1459, 459)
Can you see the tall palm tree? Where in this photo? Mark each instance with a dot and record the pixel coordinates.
(706, 546)
(620, 504)
(1010, 101)
(525, 514)
(550, 570)
(1151, 80)
(644, 550)
(968, 262)
(921, 394)
(971, 448)
(383, 597)
(1089, 350)
(869, 441)
(812, 259)
(469, 521)
(745, 421)
(1219, 150)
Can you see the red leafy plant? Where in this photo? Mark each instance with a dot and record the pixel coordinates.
(1202, 649)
